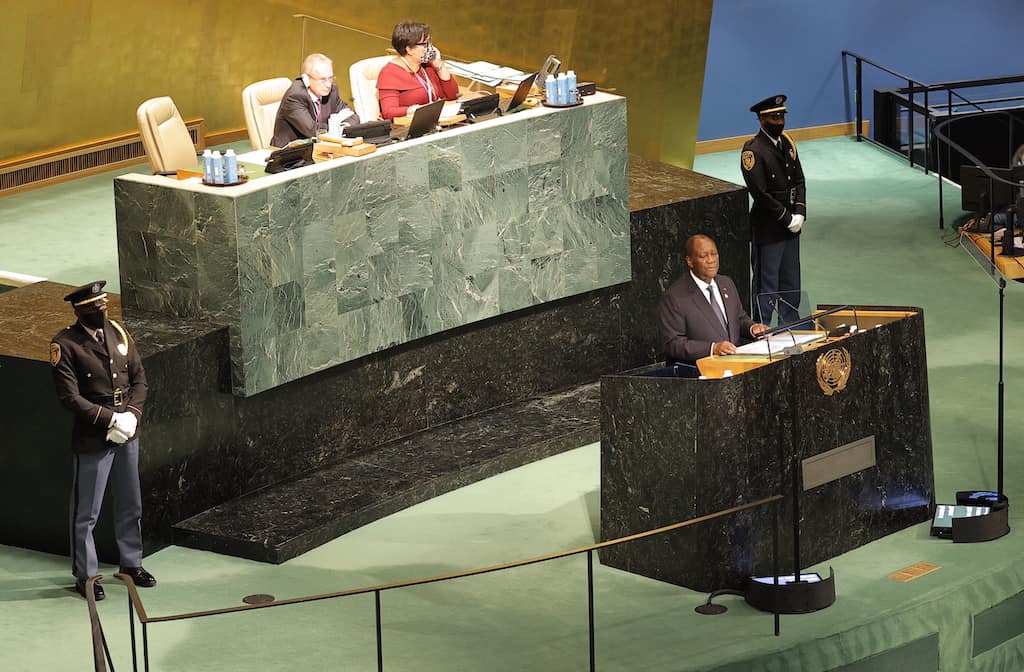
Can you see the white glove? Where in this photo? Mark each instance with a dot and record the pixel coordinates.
(115, 435)
(126, 423)
(796, 223)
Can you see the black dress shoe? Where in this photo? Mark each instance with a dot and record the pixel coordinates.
(139, 576)
(97, 589)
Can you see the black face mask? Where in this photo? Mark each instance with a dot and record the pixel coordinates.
(774, 129)
(93, 319)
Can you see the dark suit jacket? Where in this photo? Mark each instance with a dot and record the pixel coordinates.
(296, 117)
(686, 324)
(775, 180)
(86, 375)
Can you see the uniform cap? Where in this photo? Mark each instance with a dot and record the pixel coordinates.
(86, 293)
(770, 104)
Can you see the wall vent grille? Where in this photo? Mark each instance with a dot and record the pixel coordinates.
(40, 170)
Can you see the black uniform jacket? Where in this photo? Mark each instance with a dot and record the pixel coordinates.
(296, 117)
(94, 381)
(687, 325)
(776, 183)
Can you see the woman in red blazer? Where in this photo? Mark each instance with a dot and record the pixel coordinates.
(416, 76)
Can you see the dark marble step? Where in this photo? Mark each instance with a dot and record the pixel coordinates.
(283, 521)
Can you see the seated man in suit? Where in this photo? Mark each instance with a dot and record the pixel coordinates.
(309, 102)
(701, 313)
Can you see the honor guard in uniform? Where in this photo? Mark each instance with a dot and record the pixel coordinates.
(99, 378)
(771, 169)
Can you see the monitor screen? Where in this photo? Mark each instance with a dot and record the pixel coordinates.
(293, 156)
(945, 513)
(980, 193)
(369, 129)
(809, 577)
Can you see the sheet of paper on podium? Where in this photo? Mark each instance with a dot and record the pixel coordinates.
(775, 344)
(484, 72)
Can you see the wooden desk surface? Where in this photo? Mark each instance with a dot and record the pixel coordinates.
(1012, 268)
(716, 366)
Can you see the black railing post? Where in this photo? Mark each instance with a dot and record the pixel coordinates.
(910, 122)
(106, 651)
(999, 436)
(380, 643)
(860, 108)
(949, 149)
(590, 606)
(131, 626)
(145, 647)
(775, 564)
(927, 130)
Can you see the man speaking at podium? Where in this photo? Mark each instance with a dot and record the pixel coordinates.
(700, 314)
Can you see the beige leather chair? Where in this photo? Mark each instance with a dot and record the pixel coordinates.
(260, 101)
(164, 136)
(363, 78)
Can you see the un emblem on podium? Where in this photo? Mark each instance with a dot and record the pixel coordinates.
(833, 369)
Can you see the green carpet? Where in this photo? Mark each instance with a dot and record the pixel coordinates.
(871, 237)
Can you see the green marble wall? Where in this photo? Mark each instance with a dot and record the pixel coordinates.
(340, 261)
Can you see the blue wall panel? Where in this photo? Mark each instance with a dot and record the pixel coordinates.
(759, 48)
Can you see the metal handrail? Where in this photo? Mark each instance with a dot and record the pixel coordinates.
(877, 65)
(940, 134)
(913, 87)
(928, 87)
(136, 608)
(100, 650)
(302, 41)
(340, 25)
(143, 618)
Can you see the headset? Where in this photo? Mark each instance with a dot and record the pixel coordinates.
(305, 79)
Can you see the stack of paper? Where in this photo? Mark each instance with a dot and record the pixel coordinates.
(484, 72)
(778, 342)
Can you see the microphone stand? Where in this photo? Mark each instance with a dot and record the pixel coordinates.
(999, 426)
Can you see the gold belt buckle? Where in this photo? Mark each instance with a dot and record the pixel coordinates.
(118, 397)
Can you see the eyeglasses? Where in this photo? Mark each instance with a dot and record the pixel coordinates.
(323, 79)
(423, 44)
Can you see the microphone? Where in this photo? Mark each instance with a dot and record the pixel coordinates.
(774, 301)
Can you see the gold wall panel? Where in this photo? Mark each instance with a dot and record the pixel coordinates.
(115, 54)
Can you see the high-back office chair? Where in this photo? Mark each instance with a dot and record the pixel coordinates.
(260, 101)
(363, 78)
(164, 136)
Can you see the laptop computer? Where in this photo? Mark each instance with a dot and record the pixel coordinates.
(424, 119)
(521, 93)
(373, 132)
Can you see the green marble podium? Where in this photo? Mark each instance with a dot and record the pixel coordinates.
(325, 264)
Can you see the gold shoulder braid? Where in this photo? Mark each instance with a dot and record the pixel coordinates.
(122, 347)
(792, 145)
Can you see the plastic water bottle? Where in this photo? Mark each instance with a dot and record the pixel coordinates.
(562, 85)
(207, 166)
(230, 167)
(550, 91)
(218, 168)
(570, 79)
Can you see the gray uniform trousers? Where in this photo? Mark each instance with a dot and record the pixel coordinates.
(92, 471)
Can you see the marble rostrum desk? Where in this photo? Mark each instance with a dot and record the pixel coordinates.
(325, 264)
(205, 447)
(675, 448)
